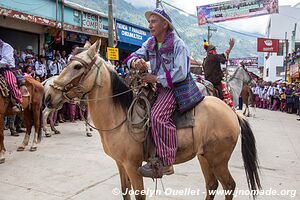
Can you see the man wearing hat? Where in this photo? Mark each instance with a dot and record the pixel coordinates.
(212, 65)
(169, 63)
(28, 51)
(7, 65)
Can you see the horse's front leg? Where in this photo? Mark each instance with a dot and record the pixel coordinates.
(37, 126)
(54, 112)
(125, 182)
(136, 181)
(28, 125)
(46, 112)
(2, 148)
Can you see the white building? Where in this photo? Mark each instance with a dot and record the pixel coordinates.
(278, 24)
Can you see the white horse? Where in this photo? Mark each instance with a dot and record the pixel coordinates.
(49, 112)
(235, 83)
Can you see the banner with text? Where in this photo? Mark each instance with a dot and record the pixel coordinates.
(267, 45)
(249, 62)
(235, 9)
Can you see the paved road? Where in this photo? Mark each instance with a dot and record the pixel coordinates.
(73, 166)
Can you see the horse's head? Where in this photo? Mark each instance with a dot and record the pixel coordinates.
(77, 78)
(242, 74)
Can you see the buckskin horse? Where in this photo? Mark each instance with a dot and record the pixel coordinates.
(31, 114)
(212, 139)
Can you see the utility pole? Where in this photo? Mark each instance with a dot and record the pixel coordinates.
(158, 3)
(293, 39)
(286, 56)
(110, 24)
(209, 34)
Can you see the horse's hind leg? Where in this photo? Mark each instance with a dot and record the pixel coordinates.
(125, 182)
(222, 173)
(28, 125)
(210, 179)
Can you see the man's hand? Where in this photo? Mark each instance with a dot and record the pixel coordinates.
(149, 78)
(231, 43)
(140, 64)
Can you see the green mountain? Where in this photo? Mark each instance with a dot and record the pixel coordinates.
(186, 27)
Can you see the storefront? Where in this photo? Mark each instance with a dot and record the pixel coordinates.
(60, 24)
(130, 37)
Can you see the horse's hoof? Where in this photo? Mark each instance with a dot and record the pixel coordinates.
(57, 132)
(89, 134)
(32, 149)
(47, 134)
(2, 160)
(21, 149)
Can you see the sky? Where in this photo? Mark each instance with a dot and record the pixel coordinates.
(251, 25)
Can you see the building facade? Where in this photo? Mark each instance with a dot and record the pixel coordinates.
(278, 26)
(56, 23)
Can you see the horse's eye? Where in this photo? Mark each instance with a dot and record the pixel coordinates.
(78, 67)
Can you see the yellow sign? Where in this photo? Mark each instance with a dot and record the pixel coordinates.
(112, 53)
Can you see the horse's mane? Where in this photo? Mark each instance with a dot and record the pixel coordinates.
(119, 86)
(234, 74)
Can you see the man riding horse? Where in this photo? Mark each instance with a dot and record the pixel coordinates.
(212, 65)
(169, 62)
(11, 75)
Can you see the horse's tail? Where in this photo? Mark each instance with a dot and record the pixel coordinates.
(249, 155)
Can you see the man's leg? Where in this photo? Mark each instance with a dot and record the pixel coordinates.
(15, 92)
(218, 86)
(163, 133)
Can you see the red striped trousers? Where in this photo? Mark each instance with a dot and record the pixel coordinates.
(163, 128)
(12, 85)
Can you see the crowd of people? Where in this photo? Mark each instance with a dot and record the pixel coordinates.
(41, 67)
(275, 96)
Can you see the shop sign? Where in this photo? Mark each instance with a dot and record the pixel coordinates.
(267, 45)
(77, 37)
(131, 34)
(112, 53)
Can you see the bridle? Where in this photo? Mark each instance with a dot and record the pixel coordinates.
(233, 76)
(77, 82)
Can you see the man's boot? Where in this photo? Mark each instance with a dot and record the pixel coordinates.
(155, 169)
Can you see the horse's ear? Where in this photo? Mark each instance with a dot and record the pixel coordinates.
(87, 45)
(93, 50)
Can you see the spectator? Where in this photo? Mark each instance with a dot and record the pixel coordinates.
(28, 51)
(55, 66)
(73, 53)
(40, 68)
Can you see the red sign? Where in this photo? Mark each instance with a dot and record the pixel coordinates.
(267, 45)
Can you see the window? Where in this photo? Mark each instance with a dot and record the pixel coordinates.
(279, 70)
(267, 72)
(281, 48)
